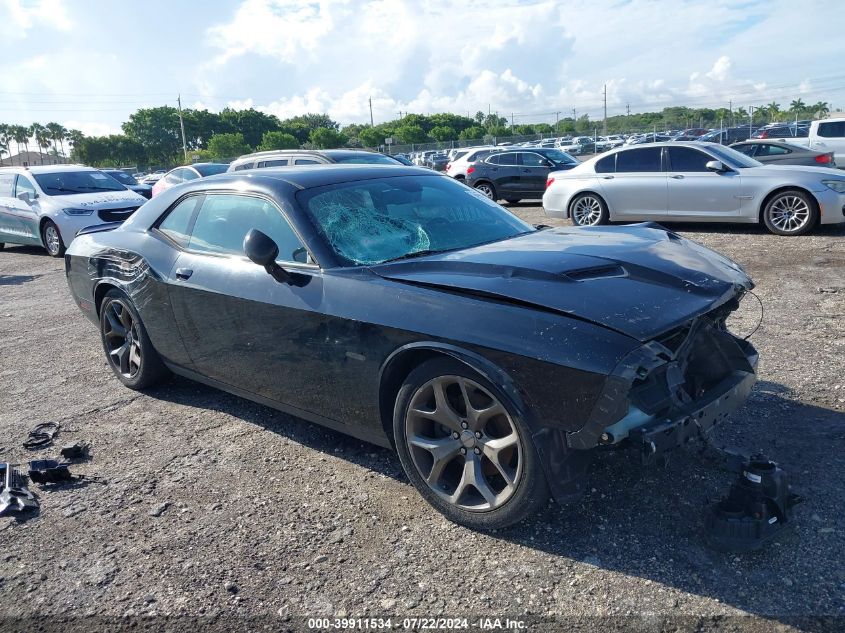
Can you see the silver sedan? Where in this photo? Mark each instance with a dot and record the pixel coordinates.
(695, 182)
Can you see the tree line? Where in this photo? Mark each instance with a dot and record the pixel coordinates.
(153, 136)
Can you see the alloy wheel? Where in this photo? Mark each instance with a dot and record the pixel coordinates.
(51, 239)
(789, 213)
(463, 443)
(122, 338)
(586, 211)
(485, 190)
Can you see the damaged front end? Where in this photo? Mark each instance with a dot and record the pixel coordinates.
(673, 388)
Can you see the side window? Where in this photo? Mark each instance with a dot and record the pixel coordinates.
(529, 159)
(494, 159)
(745, 148)
(510, 159)
(606, 165)
(834, 129)
(277, 162)
(177, 224)
(307, 161)
(688, 159)
(24, 185)
(247, 165)
(224, 220)
(174, 177)
(7, 182)
(772, 150)
(646, 159)
(189, 174)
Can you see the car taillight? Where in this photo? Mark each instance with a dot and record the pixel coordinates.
(763, 134)
(824, 159)
(470, 170)
(549, 182)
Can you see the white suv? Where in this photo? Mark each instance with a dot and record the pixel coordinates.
(48, 206)
(458, 167)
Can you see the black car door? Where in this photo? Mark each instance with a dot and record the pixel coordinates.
(535, 172)
(240, 326)
(506, 174)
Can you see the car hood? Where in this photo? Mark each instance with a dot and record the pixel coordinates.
(100, 200)
(640, 280)
(778, 171)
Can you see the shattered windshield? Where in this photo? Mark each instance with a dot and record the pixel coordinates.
(374, 221)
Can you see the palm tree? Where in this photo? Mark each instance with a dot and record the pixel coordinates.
(741, 113)
(21, 135)
(58, 133)
(39, 133)
(821, 108)
(74, 138)
(797, 105)
(4, 141)
(773, 109)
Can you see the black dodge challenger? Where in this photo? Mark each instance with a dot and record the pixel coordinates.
(404, 308)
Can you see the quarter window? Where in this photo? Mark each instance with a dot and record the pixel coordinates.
(306, 161)
(224, 220)
(276, 162)
(189, 174)
(646, 159)
(772, 150)
(24, 186)
(834, 129)
(606, 165)
(687, 159)
(745, 148)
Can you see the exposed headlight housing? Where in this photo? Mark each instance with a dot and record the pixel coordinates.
(837, 185)
(78, 211)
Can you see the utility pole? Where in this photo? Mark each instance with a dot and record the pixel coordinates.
(511, 121)
(557, 120)
(628, 109)
(731, 110)
(182, 127)
(604, 125)
(371, 113)
(750, 120)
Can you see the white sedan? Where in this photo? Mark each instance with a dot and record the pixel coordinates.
(695, 182)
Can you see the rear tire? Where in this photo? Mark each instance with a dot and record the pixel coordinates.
(487, 190)
(444, 408)
(588, 209)
(513, 200)
(790, 212)
(128, 348)
(52, 239)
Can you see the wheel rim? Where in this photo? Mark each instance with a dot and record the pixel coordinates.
(120, 333)
(789, 213)
(52, 239)
(463, 443)
(586, 211)
(487, 190)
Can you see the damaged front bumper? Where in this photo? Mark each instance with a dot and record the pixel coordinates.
(672, 389)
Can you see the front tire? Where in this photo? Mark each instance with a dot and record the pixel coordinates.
(52, 239)
(464, 449)
(129, 351)
(487, 190)
(790, 212)
(588, 209)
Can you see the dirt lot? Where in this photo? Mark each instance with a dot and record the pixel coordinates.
(217, 510)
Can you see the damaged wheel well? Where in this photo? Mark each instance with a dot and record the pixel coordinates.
(100, 292)
(392, 378)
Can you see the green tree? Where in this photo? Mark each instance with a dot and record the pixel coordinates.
(821, 109)
(251, 123)
(57, 134)
(21, 136)
(42, 138)
(410, 134)
(4, 141)
(797, 105)
(773, 110)
(472, 133)
(371, 136)
(277, 140)
(443, 133)
(227, 146)
(157, 129)
(326, 138)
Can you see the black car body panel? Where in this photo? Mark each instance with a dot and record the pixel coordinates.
(516, 173)
(568, 323)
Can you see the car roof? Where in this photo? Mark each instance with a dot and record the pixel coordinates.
(322, 175)
(47, 169)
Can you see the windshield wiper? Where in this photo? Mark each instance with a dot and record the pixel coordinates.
(411, 255)
(92, 188)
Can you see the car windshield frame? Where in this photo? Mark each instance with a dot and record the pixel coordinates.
(59, 183)
(414, 229)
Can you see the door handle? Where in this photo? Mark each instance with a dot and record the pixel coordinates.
(607, 177)
(678, 177)
(183, 273)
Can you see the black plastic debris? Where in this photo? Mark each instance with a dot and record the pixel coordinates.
(757, 508)
(49, 471)
(14, 495)
(41, 436)
(77, 450)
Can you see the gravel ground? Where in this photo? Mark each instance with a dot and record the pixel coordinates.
(217, 510)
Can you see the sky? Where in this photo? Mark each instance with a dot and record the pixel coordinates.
(89, 64)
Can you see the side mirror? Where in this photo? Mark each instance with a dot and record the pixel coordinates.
(25, 196)
(715, 165)
(262, 250)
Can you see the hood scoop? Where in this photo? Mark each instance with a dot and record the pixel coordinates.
(596, 272)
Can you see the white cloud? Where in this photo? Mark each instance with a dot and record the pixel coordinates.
(18, 17)
(721, 69)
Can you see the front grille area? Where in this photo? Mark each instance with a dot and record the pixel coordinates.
(116, 215)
